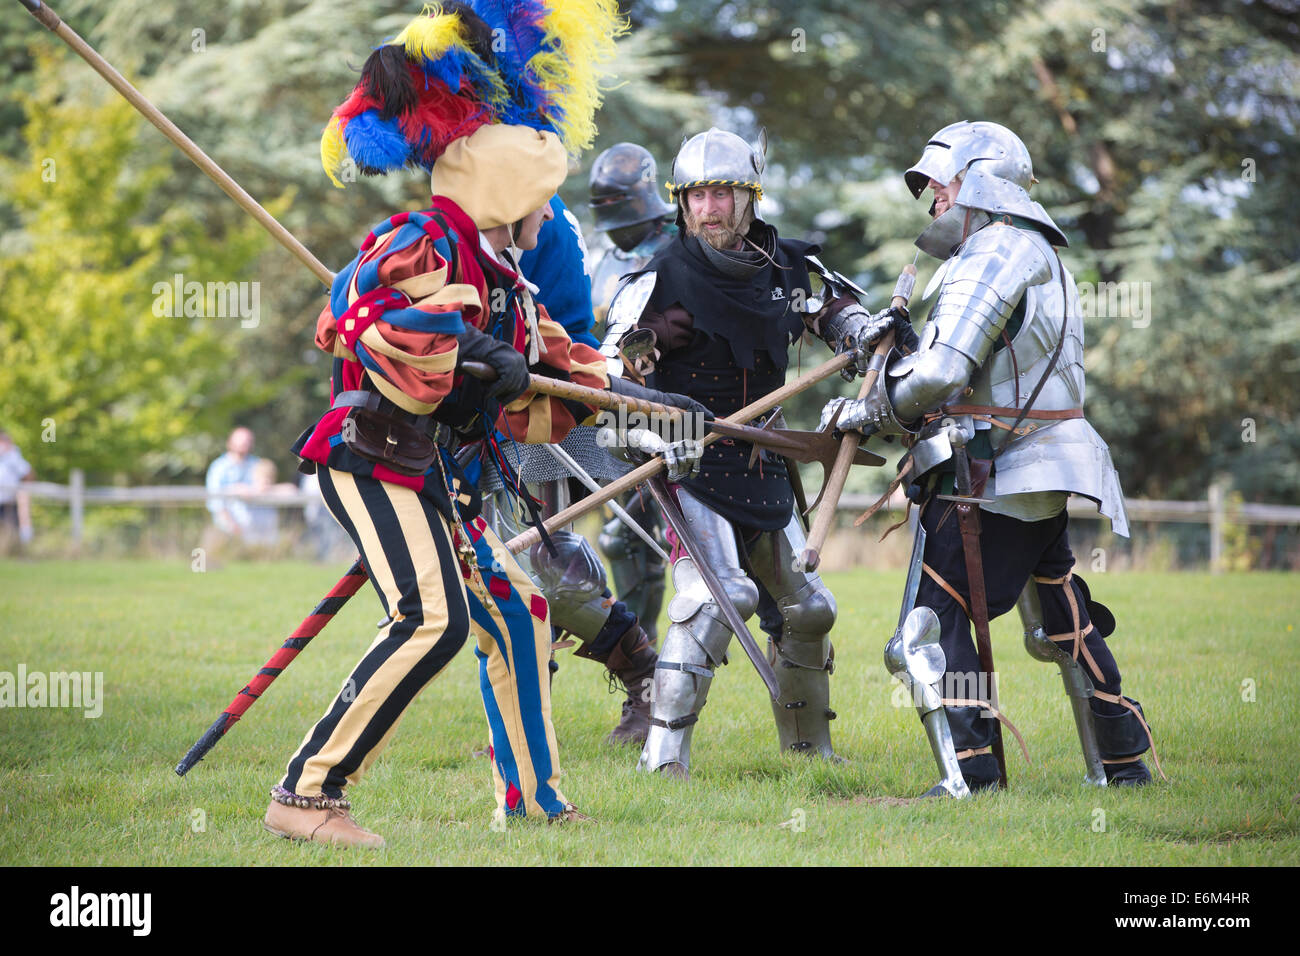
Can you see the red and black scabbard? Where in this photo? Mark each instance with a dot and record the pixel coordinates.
(322, 614)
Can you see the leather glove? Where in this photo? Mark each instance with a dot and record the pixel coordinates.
(511, 367)
(624, 386)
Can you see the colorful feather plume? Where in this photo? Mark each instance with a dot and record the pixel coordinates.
(462, 65)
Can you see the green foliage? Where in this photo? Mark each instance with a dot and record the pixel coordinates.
(1162, 132)
(97, 375)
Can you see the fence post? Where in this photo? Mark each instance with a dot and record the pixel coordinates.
(1216, 526)
(77, 502)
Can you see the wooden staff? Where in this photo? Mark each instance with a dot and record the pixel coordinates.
(821, 526)
(595, 397)
(651, 468)
(50, 19)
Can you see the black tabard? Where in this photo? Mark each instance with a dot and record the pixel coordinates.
(751, 315)
(738, 352)
(760, 498)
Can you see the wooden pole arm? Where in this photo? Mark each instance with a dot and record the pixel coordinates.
(651, 468)
(811, 557)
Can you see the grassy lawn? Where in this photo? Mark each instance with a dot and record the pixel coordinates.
(1212, 659)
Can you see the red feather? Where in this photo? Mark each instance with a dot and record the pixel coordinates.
(439, 115)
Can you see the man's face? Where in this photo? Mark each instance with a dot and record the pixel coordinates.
(711, 216)
(531, 225)
(240, 442)
(944, 196)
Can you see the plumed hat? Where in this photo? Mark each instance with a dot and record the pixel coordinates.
(532, 66)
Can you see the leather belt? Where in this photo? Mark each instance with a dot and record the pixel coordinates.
(361, 398)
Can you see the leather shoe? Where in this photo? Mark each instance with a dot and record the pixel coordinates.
(330, 825)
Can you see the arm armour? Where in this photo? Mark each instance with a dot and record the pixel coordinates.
(984, 283)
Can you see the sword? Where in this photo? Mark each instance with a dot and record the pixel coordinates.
(673, 514)
(567, 460)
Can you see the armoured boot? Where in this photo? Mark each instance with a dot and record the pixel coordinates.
(914, 656)
(979, 768)
(803, 712)
(1078, 686)
(801, 655)
(631, 665)
(693, 648)
(1122, 740)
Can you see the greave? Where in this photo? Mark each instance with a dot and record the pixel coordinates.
(914, 656)
(1078, 686)
(696, 642)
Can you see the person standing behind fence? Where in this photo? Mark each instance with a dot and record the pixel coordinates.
(232, 471)
(15, 513)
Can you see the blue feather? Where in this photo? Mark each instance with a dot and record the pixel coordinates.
(516, 38)
(376, 145)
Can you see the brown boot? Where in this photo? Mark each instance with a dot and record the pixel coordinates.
(632, 664)
(328, 825)
(570, 814)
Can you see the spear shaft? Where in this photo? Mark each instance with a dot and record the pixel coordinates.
(49, 19)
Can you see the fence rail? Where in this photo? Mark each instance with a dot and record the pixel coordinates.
(1212, 510)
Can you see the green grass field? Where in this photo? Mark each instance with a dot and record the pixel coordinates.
(1213, 660)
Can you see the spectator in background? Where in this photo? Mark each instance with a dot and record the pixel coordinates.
(264, 519)
(15, 506)
(325, 536)
(232, 471)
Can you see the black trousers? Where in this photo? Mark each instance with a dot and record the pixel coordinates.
(1012, 552)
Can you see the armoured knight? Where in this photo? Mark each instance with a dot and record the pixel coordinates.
(626, 206)
(725, 305)
(991, 407)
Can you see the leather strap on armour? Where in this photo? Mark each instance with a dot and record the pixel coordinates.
(1124, 702)
(1002, 718)
(969, 522)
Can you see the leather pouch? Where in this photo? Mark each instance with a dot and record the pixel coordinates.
(388, 441)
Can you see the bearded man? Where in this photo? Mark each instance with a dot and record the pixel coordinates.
(725, 308)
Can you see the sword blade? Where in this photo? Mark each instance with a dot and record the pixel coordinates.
(677, 520)
(568, 461)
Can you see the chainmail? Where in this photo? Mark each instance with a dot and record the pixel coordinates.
(744, 263)
(535, 464)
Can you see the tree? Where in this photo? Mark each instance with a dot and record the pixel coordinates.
(105, 369)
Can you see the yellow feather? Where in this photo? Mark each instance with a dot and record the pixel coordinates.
(585, 31)
(332, 150)
(431, 34)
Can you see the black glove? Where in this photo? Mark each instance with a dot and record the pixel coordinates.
(624, 386)
(905, 338)
(511, 367)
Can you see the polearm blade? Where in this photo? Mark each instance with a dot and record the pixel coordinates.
(675, 518)
(324, 612)
(49, 19)
(567, 460)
